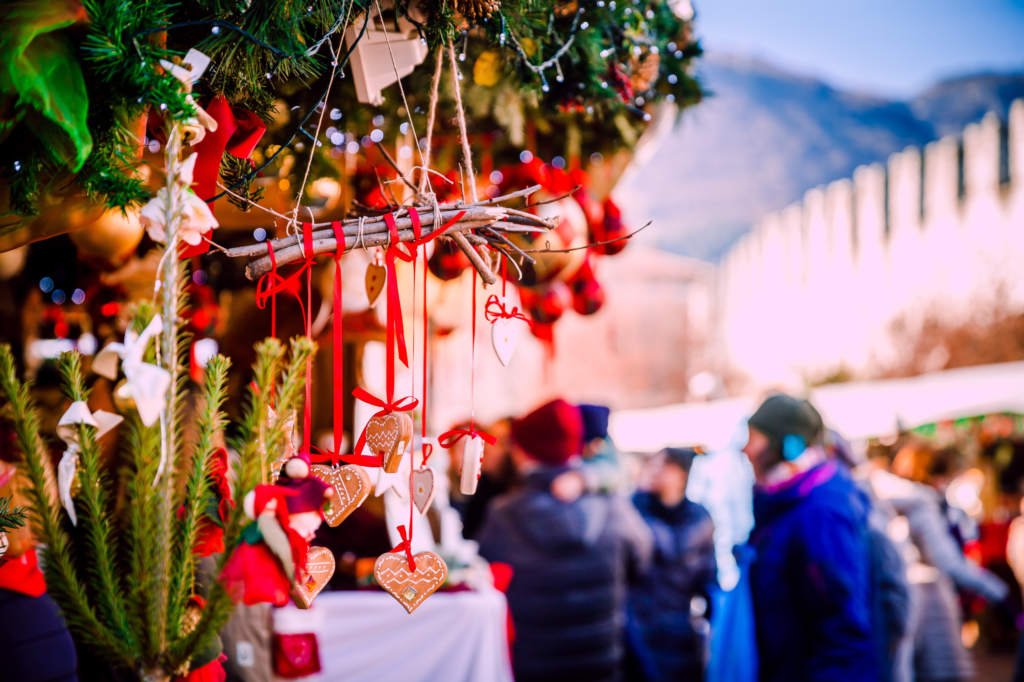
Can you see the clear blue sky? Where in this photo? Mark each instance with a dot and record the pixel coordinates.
(895, 48)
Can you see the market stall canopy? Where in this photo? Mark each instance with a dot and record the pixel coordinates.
(869, 409)
(710, 425)
(858, 410)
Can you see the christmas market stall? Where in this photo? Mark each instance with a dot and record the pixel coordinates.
(231, 236)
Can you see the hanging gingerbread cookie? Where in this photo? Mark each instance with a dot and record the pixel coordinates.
(350, 486)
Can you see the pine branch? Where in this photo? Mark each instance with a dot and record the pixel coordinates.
(58, 564)
(268, 355)
(142, 446)
(11, 518)
(94, 519)
(210, 421)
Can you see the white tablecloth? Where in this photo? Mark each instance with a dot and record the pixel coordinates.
(368, 637)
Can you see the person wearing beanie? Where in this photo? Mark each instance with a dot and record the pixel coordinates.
(667, 624)
(601, 470)
(811, 578)
(571, 560)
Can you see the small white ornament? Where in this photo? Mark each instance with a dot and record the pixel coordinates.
(472, 459)
(504, 337)
(423, 488)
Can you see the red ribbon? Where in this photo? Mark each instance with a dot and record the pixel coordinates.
(238, 132)
(495, 310)
(405, 546)
(339, 355)
(448, 439)
(395, 325)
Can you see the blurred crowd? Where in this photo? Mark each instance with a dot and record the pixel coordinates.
(856, 568)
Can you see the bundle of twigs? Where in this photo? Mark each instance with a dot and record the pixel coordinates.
(483, 223)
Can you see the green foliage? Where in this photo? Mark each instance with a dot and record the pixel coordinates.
(11, 518)
(122, 581)
(592, 66)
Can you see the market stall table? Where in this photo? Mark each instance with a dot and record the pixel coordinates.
(367, 637)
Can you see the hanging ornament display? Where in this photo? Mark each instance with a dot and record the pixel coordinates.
(350, 486)
(410, 580)
(314, 575)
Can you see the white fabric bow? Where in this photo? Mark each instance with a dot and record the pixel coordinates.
(147, 383)
(78, 413)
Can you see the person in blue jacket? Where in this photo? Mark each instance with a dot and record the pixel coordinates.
(666, 628)
(811, 578)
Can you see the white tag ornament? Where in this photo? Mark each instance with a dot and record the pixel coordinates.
(472, 459)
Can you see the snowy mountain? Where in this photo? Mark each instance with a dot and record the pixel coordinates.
(763, 137)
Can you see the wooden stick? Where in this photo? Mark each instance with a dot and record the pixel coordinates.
(292, 254)
(474, 258)
(352, 230)
(502, 238)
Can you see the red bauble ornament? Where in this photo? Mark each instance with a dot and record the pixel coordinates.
(609, 228)
(587, 293)
(447, 261)
(545, 307)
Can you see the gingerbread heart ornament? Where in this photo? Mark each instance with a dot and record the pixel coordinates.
(376, 278)
(504, 337)
(350, 486)
(423, 488)
(388, 436)
(318, 572)
(410, 588)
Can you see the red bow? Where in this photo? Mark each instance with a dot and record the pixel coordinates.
(406, 546)
(238, 131)
(495, 310)
(448, 439)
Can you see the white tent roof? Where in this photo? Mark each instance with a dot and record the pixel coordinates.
(863, 409)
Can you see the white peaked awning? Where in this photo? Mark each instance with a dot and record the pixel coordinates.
(710, 425)
(858, 410)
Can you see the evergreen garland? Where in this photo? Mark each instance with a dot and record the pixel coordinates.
(589, 65)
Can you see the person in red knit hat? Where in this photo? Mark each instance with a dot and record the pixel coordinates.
(571, 556)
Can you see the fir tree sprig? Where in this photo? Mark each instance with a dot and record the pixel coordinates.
(209, 422)
(11, 519)
(247, 474)
(58, 563)
(97, 532)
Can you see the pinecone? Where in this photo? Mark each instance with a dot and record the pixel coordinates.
(644, 72)
(475, 10)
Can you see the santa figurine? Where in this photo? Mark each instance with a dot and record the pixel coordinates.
(263, 566)
(306, 504)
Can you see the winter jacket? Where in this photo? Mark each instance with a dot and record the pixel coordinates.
(811, 580)
(34, 641)
(571, 562)
(661, 630)
(933, 649)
